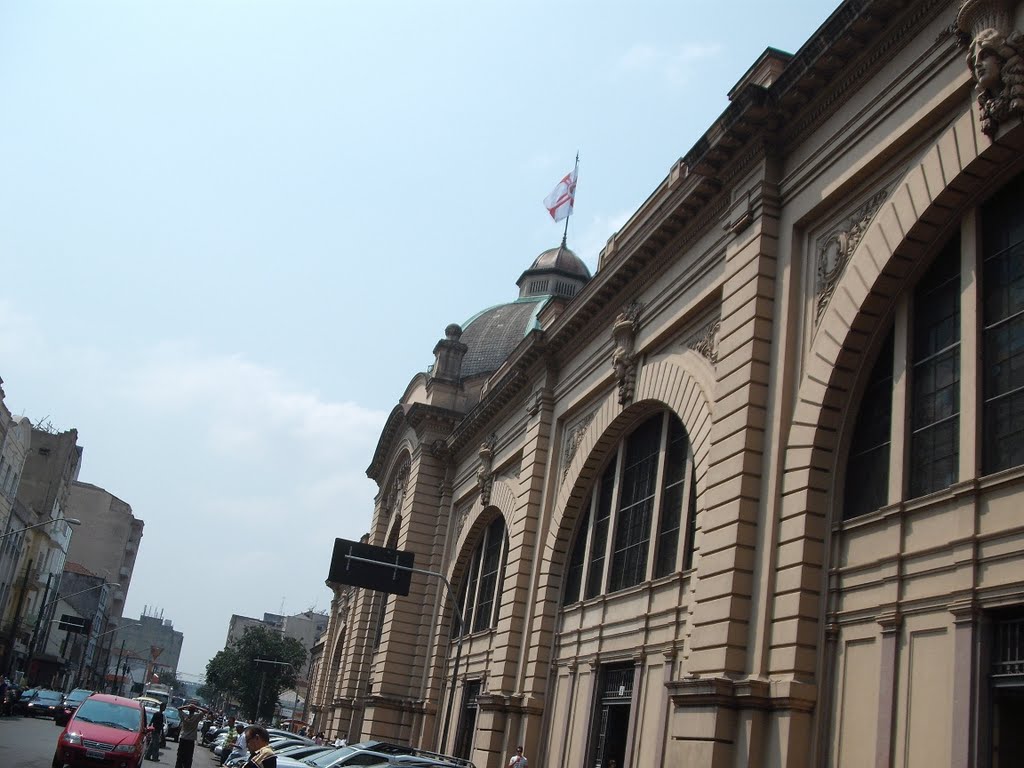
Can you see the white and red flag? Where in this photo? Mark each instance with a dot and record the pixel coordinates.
(559, 202)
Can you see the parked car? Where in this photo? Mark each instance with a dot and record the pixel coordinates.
(172, 718)
(21, 703)
(303, 751)
(104, 731)
(45, 703)
(70, 704)
(364, 752)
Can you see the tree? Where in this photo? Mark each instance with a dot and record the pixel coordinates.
(243, 671)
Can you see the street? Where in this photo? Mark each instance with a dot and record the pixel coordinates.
(29, 743)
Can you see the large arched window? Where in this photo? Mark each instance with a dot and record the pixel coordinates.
(935, 345)
(478, 597)
(641, 490)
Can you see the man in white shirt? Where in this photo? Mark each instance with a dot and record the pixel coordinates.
(518, 759)
(341, 741)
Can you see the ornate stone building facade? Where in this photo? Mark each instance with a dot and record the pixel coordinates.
(751, 494)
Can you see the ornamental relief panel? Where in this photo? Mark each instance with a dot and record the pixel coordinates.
(832, 250)
(574, 434)
(703, 338)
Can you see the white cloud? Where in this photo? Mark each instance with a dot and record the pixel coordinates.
(246, 409)
(676, 65)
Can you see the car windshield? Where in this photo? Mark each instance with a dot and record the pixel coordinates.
(328, 758)
(108, 713)
(77, 697)
(48, 696)
(172, 714)
(28, 694)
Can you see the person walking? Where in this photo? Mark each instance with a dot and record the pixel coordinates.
(155, 739)
(518, 760)
(191, 714)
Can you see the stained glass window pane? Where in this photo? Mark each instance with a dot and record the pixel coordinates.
(633, 524)
(599, 538)
(671, 498)
(492, 546)
(867, 469)
(935, 398)
(577, 559)
(1003, 341)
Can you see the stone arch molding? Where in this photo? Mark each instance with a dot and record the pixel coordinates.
(932, 192)
(666, 382)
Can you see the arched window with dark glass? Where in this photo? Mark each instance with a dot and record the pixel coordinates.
(478, 595)
(633, 518)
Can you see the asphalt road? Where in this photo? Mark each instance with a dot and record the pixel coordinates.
(30, 743)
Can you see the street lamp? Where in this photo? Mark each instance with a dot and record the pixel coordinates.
(68, 520)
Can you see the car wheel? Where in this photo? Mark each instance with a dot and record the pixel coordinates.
(57, 763)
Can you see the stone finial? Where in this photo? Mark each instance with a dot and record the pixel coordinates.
(996, 59)
(624, 357)
(448, 354)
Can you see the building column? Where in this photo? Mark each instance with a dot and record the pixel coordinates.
(963, 726)
(890, 624)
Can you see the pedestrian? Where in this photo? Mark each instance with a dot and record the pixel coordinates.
(257, 741)
(518, 760)
(191, 714)
(238, 749)
(341, 741)
(4, 688)
(157, 724)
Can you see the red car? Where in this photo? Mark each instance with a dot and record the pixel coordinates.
(105, 731)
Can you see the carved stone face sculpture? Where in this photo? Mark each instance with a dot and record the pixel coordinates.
(985, 61)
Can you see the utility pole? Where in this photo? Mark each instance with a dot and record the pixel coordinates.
(9, 650)
(120, 670)
(263, 680)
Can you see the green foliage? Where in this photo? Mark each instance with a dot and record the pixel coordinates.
(235, 673)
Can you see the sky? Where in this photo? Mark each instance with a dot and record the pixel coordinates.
(232, 231)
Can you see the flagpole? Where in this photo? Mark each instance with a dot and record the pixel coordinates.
(575, 173)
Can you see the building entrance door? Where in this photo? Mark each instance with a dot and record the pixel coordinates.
(611, 721)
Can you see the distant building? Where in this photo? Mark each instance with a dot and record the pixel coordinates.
(107, 542)
(152, 644)
(238, 624)
(305, 627)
